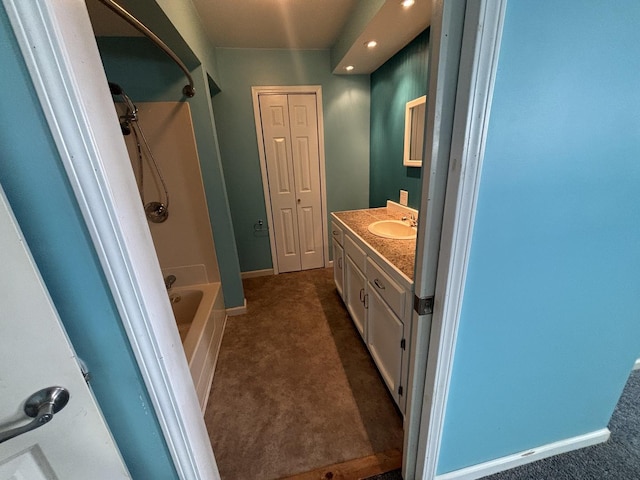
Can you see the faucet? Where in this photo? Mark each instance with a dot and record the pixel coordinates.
(169, 280)
(413, 221)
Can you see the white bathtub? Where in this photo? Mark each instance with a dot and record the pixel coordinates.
(200, 315)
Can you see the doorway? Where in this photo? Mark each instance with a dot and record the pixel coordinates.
(182, 429)
(291, 148)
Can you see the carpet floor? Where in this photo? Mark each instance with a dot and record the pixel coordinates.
(617, 459)
(295, 388)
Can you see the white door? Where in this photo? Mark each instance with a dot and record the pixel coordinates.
(290, 135)
(35, 354)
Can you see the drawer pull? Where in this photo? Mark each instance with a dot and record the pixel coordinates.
(378, 284)
(335, 232)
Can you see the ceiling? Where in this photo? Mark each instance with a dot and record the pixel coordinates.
(297, 24)
(294, 24)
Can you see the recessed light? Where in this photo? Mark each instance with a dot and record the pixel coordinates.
(371, 43)
(348, 68)
(407, 3)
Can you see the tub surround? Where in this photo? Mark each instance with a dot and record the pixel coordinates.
(184, 243)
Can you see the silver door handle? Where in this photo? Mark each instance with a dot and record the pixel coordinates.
(41, 406)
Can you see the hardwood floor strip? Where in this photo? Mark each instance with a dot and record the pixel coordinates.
(355, 469)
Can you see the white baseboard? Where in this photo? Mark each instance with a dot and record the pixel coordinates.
(636, 366)
(233, 311)
(257, 273)
(528, 456)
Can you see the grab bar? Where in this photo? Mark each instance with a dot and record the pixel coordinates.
(188, 90)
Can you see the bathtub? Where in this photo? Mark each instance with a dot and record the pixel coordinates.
(200, 315)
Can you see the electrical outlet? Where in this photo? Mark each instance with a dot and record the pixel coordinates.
(404, 197)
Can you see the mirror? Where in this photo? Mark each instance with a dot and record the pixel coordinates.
(415, 112)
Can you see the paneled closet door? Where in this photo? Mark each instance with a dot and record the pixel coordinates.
(290, 132)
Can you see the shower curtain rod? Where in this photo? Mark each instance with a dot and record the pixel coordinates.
(188, 90)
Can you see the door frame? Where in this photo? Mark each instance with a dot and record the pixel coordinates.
(58, 46)
(316, 90)
(466, 47)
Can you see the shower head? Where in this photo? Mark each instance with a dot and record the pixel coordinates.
(115, 89)
(132, 110)
(126, 128)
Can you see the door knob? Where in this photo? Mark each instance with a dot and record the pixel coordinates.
(41, 406)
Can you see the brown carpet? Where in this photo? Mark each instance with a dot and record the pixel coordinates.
(295, 388)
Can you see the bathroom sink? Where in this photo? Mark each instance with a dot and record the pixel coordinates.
(395, 229)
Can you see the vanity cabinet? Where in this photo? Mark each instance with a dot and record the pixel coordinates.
(377, 298)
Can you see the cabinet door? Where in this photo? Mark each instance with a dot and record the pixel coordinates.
(385, 332)
(338, 268)
(355, 285)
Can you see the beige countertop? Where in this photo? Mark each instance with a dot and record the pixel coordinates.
(400, 253)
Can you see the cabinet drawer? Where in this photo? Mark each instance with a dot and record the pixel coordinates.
(336, 233)
(386, 287)
(354, 252)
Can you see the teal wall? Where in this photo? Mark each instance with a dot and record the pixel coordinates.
(185, 19)
(346, 131)
(549, 327)
(142, 69)
(37, 188)
(148, 75)
(401, 79)
(177, 23)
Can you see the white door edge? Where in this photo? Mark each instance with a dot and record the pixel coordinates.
(283, 90)
(444, 62)
(59, 48)
(478, 63)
